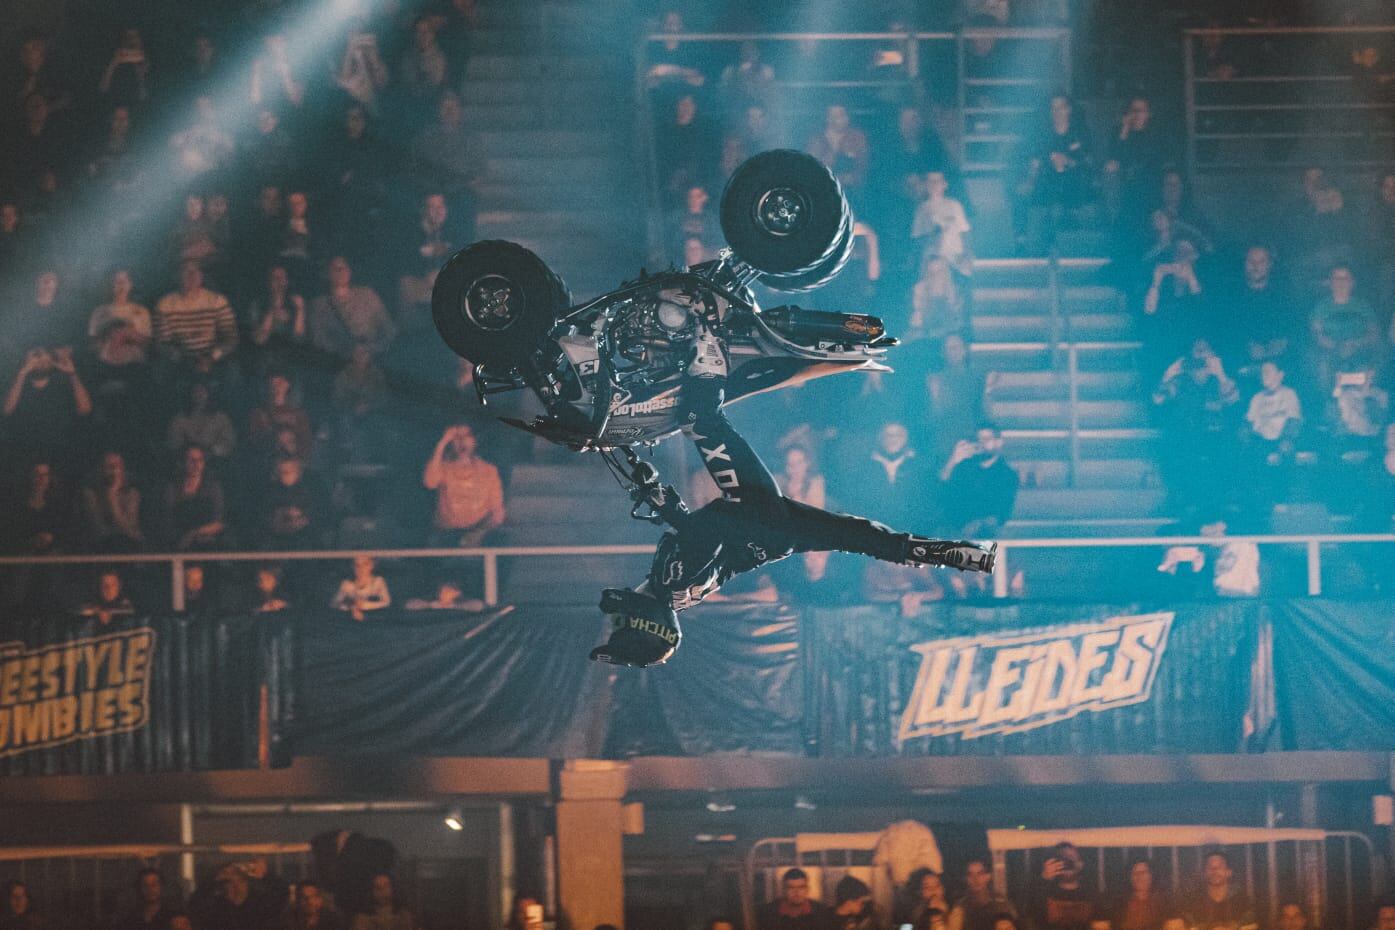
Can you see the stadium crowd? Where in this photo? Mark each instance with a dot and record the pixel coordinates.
(216, 279)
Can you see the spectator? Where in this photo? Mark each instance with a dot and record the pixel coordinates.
(695, 221)
(268, 597)
(853, 905)
(450, 595)
(446, 158)
(360, 395)
(204, 147)
(885, 481)
(843, 148)
(794, 909)
(120, 331)
(672, 63)
(1344, 328)
(1321, 235)
(278, 320)
(435, 236)
(49, 320)
(39, 517)
(19, 913)
(198, 599)
(1260, 325)
(801, 481)
(1194, 399)
(201, 423)
(110, 602)
(1220, 905)
(387, 913)
(954, 399)
(747, 80)
(1356, 414)
(1175, 200)
(1174, 307)
(1292, 916)
(362, 73)
(115, 167)
(111, 508)
(1380, 240)
(686, 149)
(1061, 901)
(355, 189)
(37, 74)
(193, 513)
(153, 912)
(274, 88)
(469, 494)
(294, 508)
(979, 486)
(941, 231)
(362, 593)
(423, 71)
(981, 904)
(1385, 914)
(349, 315)
(1275, 416)
(195, 326)
(1145, 906)
(192, 239)
(242, 897)
(297, 246)
(924, 896)
(279, 412)
(720, 923)
(44, 406)
(310, 911)
(1058, 178)
(1137, 155)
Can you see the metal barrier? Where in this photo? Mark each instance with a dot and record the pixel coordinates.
(1284, 97)
(490, 556)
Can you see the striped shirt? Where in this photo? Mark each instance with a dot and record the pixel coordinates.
(197, 323)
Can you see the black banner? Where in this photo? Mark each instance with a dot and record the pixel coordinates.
(141, 694)
(1030, 679)
(1334, 674)
(504, 683)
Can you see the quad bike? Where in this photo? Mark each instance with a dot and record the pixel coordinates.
(610, 372)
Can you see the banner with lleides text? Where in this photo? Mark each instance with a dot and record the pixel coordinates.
(141, 694)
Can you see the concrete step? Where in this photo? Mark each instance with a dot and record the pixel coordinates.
(557, 143)
(1022, 327)
(551, 67)
(1067, 503)
(1054, 385)
(570, 579)
(488, 115)
(550, 223)
(559, 168)
(1047, 414)
(1076, 299)
(1103, 444)
(1121, 473)
(497, 197)
(1076, 527)
(563, 532)
(582, 506)
(535, 91)
(1012, 272)
(998, 355)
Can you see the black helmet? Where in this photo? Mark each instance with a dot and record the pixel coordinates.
(644, 631)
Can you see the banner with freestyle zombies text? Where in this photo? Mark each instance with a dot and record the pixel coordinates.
(141, 694)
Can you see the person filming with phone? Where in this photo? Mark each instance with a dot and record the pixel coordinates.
(1061, 900)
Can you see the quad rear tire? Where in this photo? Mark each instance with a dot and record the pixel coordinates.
(784, 214)
(495, 302)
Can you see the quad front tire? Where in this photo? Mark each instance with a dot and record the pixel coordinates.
(495, 302)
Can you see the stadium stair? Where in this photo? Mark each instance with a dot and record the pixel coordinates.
(550, 105)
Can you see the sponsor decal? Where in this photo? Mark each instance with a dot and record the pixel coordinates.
(81, 689)
(666, 633)
(665, 401)
(980, 685)
(865, 325)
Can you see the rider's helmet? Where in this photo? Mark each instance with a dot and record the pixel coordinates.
(644, 631)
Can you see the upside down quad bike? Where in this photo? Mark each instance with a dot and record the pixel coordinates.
(610, 372)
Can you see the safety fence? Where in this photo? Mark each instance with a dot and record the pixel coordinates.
(1280, 97)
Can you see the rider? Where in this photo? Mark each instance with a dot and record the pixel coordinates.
(750, 525)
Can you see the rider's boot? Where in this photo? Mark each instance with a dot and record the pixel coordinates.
(963, 555)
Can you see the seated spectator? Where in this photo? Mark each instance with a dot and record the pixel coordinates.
(954, 399)
(436, 235)
(885, 481)
(39, 516)
(423, 71)
(193, 514)
(801, 481)
(746, 81)
(1175, 305)
(673, 63)
(1194, 399)
(1356, 415)
(192, 239)
(446, 159)
(843, 148)
(278, 320)
(1058, 180)
(1344, 328)
(294, 508)
(1060, 899)
(274, 85)
(362, 593)
(941, 233)
(153, 912)
(242, 897)
(298, 245)
(120, 331)
(1137, 155)
(199, 599)
(279, 412)
(1385, 914)
(51, 319)
(1176, 201)
(1220, 905)
(686, 150)
(450, 595)
(1258, 323)
(979, 487)
(362, 73)
(204, 147)
(268, 597)
(45, 405)
(1321, 229)
(1380, 246)
(18, 912)
(1275, 418)
(111, 509)
(695, 221)
(201, 423)
(1292, 916)
(981, 904)
(311, 911)
(349, 315)
(795, 909)
(469, 494)
(109, 602)
(195, 326)
(388, 912)
(852, 905)
(1146, 905)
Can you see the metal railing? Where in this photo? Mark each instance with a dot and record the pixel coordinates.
(1312, 545)
(1285, 97)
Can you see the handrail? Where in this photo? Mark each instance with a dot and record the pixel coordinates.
(1284, 30)
(976, 32)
